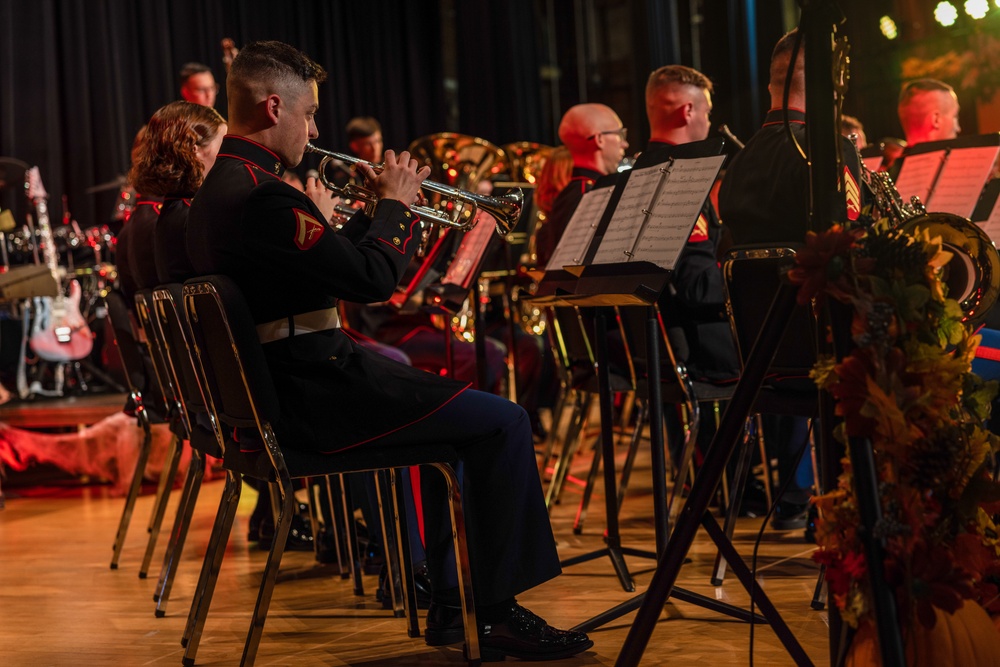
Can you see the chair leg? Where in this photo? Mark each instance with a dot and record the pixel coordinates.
(133, 494)
(160, 507)
(570, 446)
(394, 572)
(819, 594)
(550, 440)
(405, 558)
(334, 485)
(733, 509)
(281, 529)
(352, 552)
(175, 547)
(214, 553)
(684, 468)
(765, 462)
(472, 654)
(633, 449)
(588, 490)
(161, 485)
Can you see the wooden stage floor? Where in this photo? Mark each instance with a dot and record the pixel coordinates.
(60, 604)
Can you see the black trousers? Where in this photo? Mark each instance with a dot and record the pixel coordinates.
(511, 546)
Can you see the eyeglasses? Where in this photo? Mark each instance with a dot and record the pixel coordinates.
(206, 90)
(622, 133)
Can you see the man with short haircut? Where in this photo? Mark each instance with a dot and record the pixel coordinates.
(273, 242)
(595, 136)
(928, 111)
(678, 105)
(198, 84)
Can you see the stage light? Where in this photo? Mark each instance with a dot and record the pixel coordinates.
(977, 9)
(945, 14)
(888, 27)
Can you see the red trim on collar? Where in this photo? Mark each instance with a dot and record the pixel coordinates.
(251, 141)
(789, 108)
(791, 121)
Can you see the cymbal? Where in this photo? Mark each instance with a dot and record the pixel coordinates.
(115, 184)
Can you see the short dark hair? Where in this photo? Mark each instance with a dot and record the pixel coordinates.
(361, 127)
(850, 124)
(190, 69)
(677, 75)
(266, 67)
(265, 59)
(165, 156)
(911, 88)
(781, 55)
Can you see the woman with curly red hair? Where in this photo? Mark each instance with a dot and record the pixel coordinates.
(170, 160)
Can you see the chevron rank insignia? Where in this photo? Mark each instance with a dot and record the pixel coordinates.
(853, 193)
(308, 230)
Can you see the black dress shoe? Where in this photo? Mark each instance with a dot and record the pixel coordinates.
(522, 635)
(421, 584)
(300, 536)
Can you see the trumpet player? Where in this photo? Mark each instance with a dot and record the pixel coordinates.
(273, 243)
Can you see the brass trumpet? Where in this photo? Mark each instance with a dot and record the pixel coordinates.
(506, 209)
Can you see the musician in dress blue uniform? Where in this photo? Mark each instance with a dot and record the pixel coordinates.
(274, 242)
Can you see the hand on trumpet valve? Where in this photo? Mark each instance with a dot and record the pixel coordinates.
(321, 197)
(399, 179)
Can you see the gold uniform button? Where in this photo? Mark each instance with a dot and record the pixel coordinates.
(333, 358)
(277, 167)
(402, 226)
(407, 214)
(395, 240)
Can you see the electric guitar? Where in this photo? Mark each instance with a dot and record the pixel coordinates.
(59, 333)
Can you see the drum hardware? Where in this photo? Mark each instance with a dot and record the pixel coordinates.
(730, 137)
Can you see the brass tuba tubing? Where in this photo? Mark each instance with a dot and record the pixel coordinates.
(505, 209)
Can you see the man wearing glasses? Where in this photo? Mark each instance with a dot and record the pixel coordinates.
(198, 84)
(595, 137)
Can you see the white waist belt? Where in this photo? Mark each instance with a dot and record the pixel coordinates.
(303, 323)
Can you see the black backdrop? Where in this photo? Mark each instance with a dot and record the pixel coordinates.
(79, 77)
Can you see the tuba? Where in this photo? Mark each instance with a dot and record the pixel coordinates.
(973, 274)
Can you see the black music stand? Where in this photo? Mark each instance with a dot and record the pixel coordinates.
(819, 21)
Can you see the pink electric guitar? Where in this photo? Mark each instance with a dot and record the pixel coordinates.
(59, 332)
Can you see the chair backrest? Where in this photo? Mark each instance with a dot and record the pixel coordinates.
(126, 343)
(173, 325)
(675, 385)
(154, 344)
(752, 276)
(225, 342)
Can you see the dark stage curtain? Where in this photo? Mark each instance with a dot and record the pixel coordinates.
(79, 77)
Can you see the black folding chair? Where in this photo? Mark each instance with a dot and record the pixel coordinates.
(140, 386)
(239, 386)
(178, 426)
(205, 440)
(752, 275)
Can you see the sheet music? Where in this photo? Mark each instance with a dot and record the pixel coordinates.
(676, 210)
(471, 250)
(992, 224)
(873, 163)
(962, 178)
(628, 216)
(580, 229)
(916, 176)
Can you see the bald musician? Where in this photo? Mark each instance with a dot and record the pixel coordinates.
(596, 138)
(273, 242)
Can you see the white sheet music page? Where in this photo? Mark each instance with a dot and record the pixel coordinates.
(626, 222)
(580, 229)
(992, 224)
(676, 210)
(962, 179)
(916, 176)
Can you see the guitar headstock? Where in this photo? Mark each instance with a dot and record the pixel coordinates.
(33, 185)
